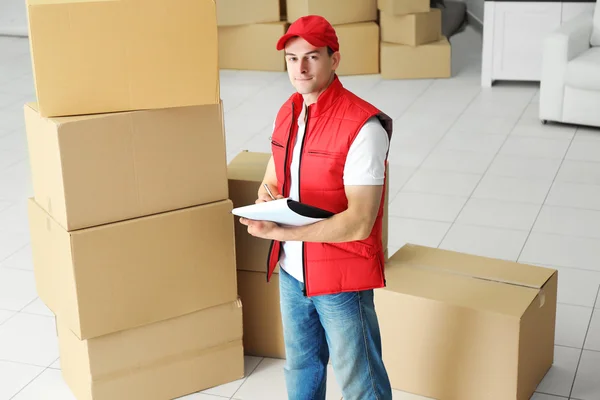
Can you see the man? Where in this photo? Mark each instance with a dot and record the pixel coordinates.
(329, 150)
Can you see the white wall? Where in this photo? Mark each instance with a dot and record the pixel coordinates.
(13, 17)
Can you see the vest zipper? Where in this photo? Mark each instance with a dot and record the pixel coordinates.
(305, 290)
(285, 167)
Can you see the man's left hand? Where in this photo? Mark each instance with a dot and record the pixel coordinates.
(261, 229)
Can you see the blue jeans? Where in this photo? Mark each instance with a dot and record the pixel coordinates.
(344, 326)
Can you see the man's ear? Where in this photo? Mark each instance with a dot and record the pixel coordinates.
(335, 58)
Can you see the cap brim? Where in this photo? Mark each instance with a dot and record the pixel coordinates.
(313, 41)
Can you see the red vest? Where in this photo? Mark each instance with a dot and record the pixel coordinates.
(332, 124)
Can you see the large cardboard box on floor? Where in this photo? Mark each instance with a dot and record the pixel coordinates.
(461, 327)
(163, 360)
(97, 169)
(244, 12)
(103, 56)
(128, 274)
(359, 46)
(412, 29)
(335, 11)
(432, 60)
(403, 7)
(252, 47)
(263, 330)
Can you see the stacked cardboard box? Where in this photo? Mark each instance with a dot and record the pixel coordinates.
(263, 332)
(458, 326)
(412, 45)
(356, 28)
(132, 239)
(248, 31)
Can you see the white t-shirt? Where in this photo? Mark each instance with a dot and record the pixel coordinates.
(365, 165)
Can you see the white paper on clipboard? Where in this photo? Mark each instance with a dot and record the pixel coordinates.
(283, 212)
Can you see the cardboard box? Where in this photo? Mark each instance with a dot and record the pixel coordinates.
(461, 327)
(103, 56)
(403, 7)
(244, 12)
(246, 172)
(413, 29)
(252, 47)
(335, 11)
(159, 361)
(359, 46)
(98, 169)
(263, 330)
(128, 274)
(433, 60)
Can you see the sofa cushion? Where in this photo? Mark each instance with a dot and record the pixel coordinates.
(595, 41)
(584, 71)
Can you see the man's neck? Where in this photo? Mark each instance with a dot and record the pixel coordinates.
(311, 98)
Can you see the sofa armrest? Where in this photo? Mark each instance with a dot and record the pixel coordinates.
(570, 40)
(560, 47)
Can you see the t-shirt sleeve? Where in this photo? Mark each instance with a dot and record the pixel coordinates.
(365, 164)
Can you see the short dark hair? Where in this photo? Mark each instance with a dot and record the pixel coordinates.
(330, 51)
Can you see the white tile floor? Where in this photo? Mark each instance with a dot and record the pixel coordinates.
(471, 170)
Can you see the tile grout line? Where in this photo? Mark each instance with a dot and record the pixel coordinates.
(394, 121)
(14, 252)
(485, 172)
(584, 341)
(546, 197)
(28, 383)
(553, 395)
(246, 378)
(419, 166)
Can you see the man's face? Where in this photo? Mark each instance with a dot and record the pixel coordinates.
(309, 67)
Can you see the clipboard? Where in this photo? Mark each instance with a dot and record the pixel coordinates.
(285, 212)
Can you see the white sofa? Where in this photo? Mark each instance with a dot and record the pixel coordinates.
(570, 83)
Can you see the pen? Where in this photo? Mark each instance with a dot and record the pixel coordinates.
(269, 191)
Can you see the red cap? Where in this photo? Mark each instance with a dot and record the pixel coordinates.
(315, 30)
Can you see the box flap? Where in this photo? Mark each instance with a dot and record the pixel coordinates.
(464, 280)
(459, 290)
(485, 268)
(248, 166)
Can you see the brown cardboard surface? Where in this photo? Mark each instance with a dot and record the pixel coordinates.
(243, 12)
(457, 327)
(120, 276)
(104, 56)
(263, 331)
(335, 11)
(98, 169)
(163, 360)
(359, 48)
(412, 29)
(432, 60)
(252, 47)
(246, 172)
(403, 7)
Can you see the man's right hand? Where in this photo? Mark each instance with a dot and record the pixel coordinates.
(263, 195)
